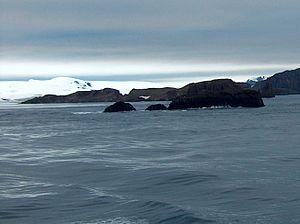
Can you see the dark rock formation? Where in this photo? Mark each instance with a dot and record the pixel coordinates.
(222, 92)
(265, 88)
(244, 85)
(119, 107)
(282, 83)
(214, 86)
(212, 89)
(151, 94)
(157, 107)
(104, 95)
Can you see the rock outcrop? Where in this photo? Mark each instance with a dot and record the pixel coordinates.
(119, 107)
(222, 92)
(214, 86)
(104, 95)
(156, 107)
(282, 83)
(151, 94)
(265, 88)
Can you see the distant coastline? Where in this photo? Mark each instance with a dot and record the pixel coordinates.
(287, 82)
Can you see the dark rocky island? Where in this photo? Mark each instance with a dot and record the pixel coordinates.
(119, 107)
(282, 83)
(104, 95)
(156, 107)
(222, 92)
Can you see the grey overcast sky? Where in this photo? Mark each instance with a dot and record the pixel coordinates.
(148, 39)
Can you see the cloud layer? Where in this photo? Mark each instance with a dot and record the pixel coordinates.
(172, 32)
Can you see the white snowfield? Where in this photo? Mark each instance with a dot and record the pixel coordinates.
(14, 91)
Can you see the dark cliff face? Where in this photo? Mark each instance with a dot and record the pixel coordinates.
(192, 89)
(105, 95)
(222, 92)
(265, 88)
(282, 83)
(287, 80)
(214, 86)
(151, 94)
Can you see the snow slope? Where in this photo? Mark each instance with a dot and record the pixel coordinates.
(12, 91)
(17, 90)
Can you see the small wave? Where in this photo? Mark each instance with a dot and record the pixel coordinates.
(184, 179)
(12, 134)
(117, 220)
(10, 215)
(85, 113)
(260, 199)
(163, 212)
(101, 193)
(290, 159)
(93, 192)
(45, 135)
(216, 107)
(15, 196)
(238, 189)
(15, 186)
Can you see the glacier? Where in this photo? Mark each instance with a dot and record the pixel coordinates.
(17, 91)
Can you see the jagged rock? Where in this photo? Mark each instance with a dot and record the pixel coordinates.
(119, 107)
(157, 107)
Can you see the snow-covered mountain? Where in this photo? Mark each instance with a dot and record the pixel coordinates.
(14, 91)
(18, 90)
(252, 81)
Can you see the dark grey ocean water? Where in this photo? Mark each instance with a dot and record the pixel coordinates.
(73, 164)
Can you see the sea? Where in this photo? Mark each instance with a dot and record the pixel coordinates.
(74, 164)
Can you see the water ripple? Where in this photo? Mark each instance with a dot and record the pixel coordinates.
(15, 186)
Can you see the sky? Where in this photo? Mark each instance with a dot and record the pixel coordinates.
(148, 40)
